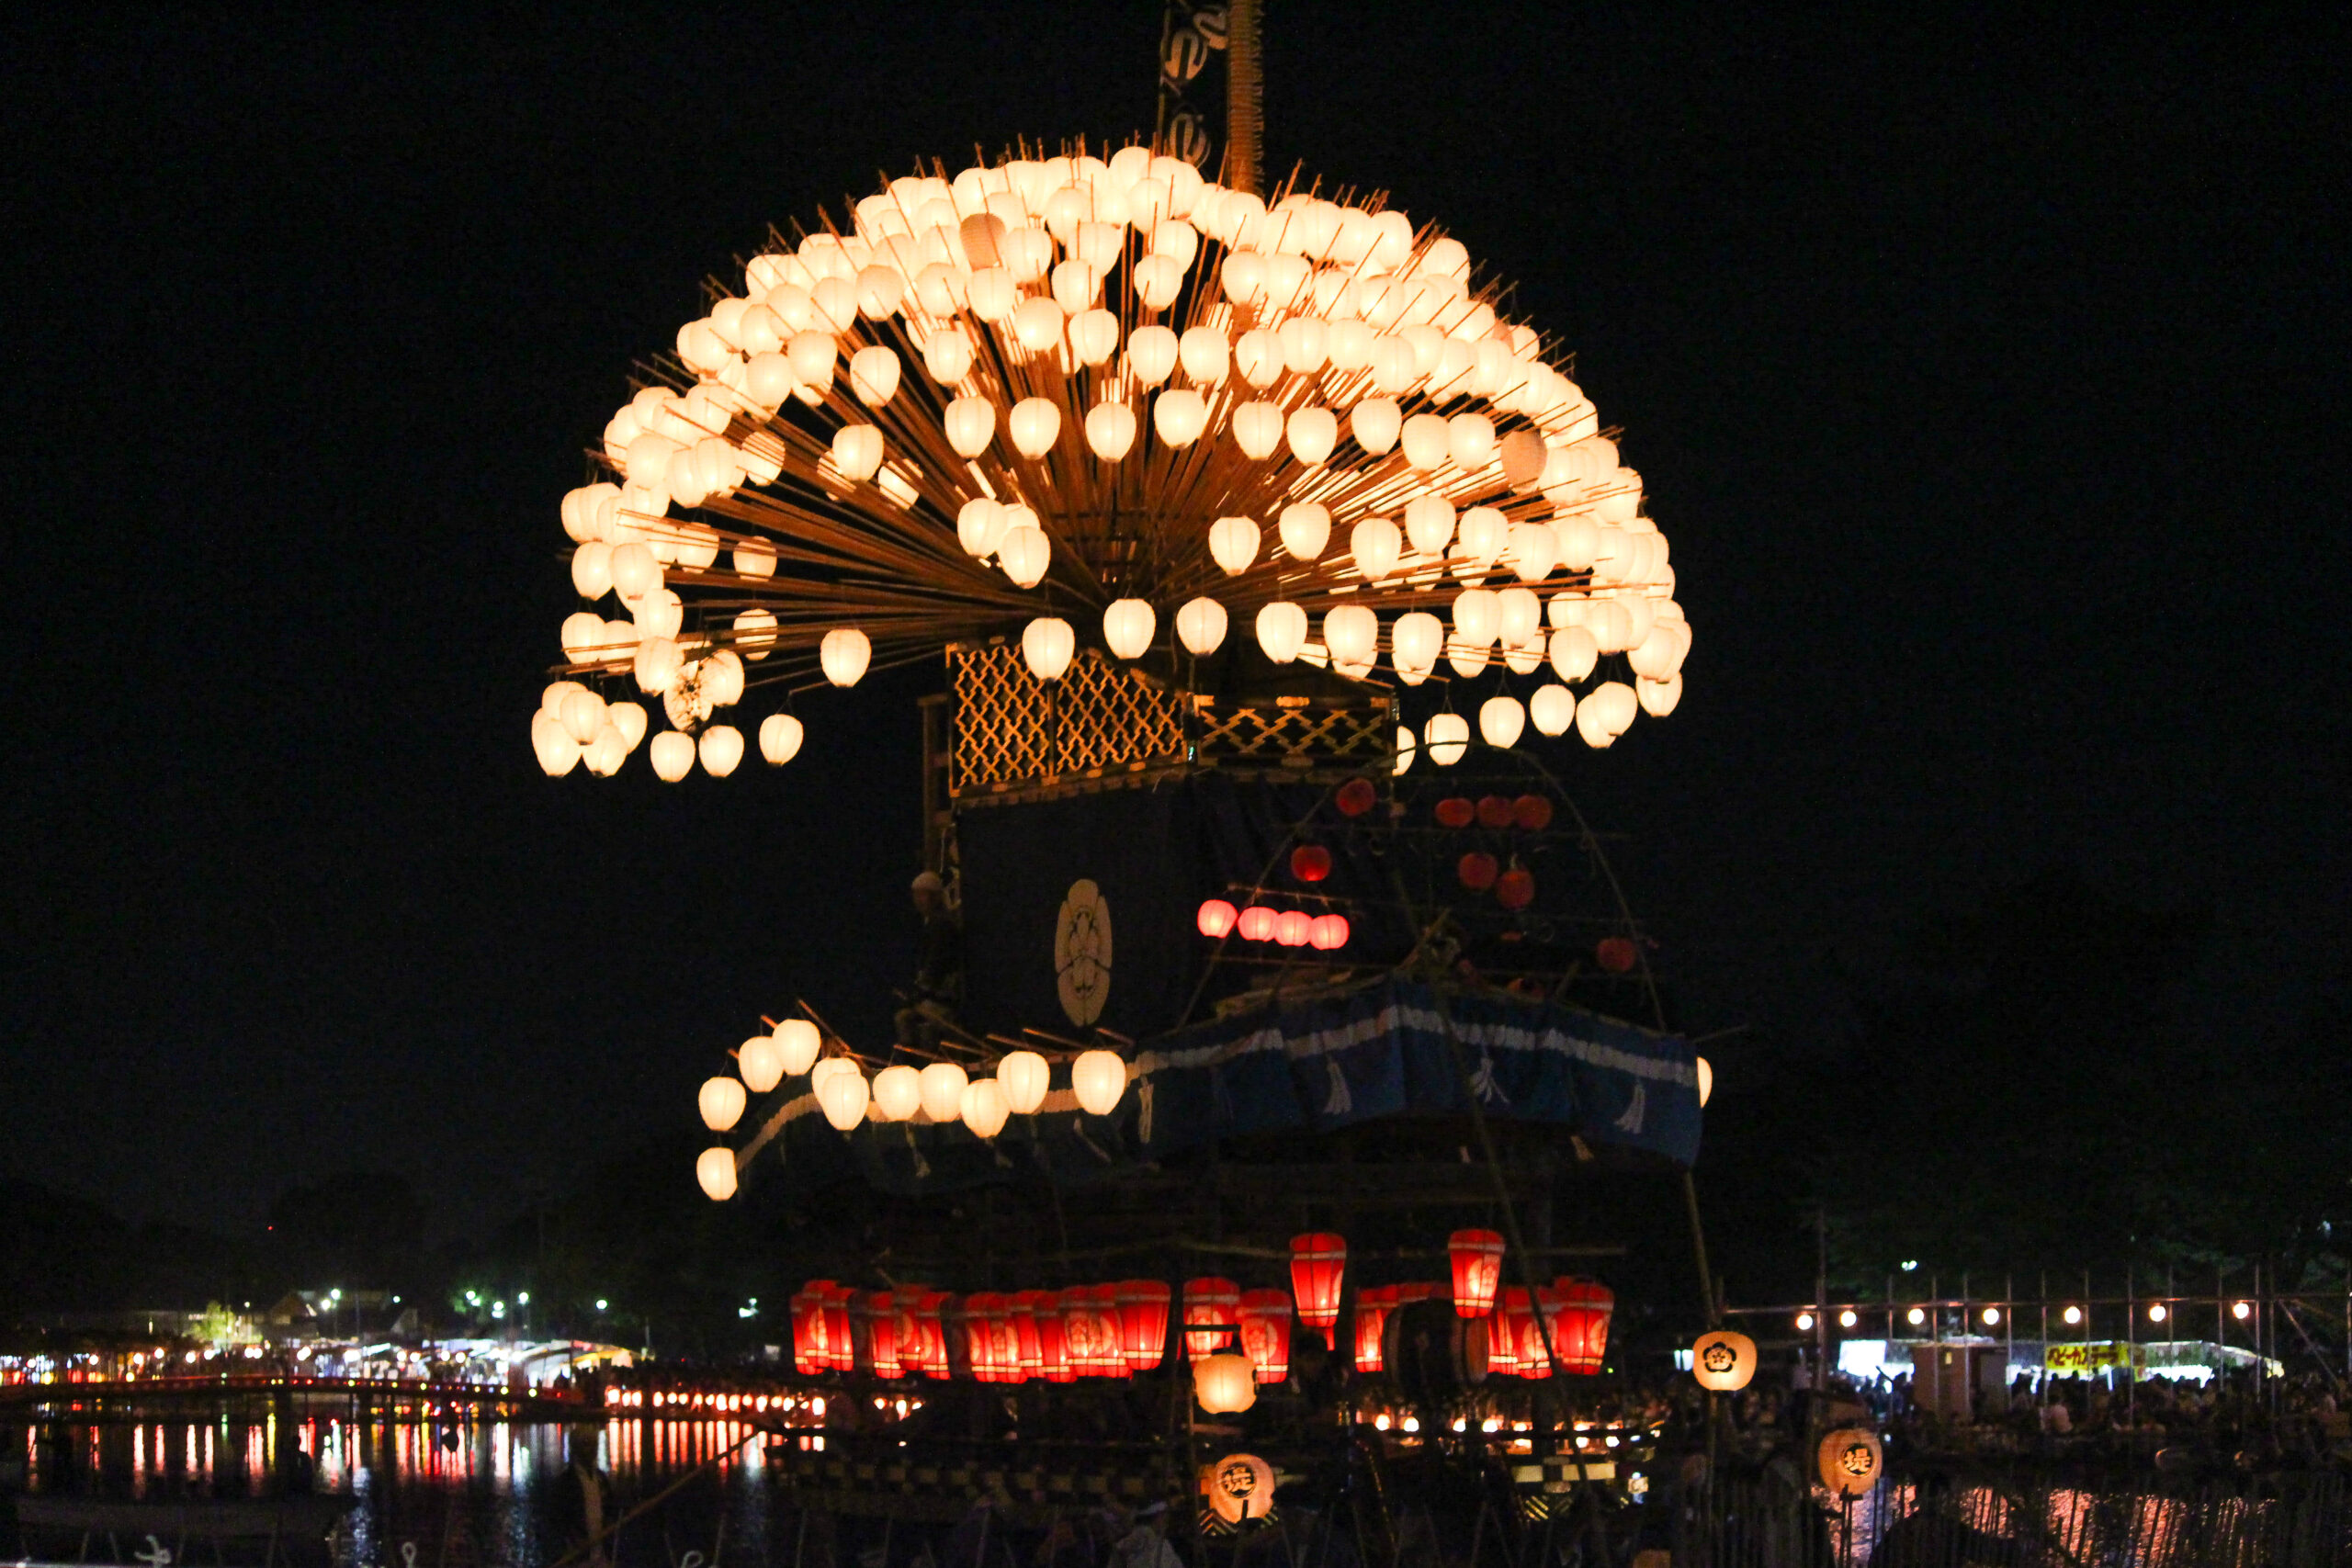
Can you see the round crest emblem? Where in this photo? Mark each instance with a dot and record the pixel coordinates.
(1083, 952)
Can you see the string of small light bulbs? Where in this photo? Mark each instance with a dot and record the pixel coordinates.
(938, 1092)
(1075, 397)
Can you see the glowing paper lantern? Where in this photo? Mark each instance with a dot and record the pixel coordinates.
(1581, 1310)
(844, 655)
(1477, 1259)
(1282, 630)
(843, 1098)
(1024, 1077)
(1211, 1315)
(1053, 1347)
(1447, 736)
(970, 425)
(1047, 645)
(1414, 643)
(720, 1100)
(941, 1087)
(1256, 923)
(715, 1170)
(1375, 545)
(780, 736)
(1293, 927)
(558, 754)
(760, 1063)
(720, 747)
(897, 1092)
(1233, 544)
(1110, 429)
(1501, 721)
(1143, 1323)
(1551, 708)
(1373, 1307)
(1375, 423)
(1024, 553)
(673, 755)
(1034, 425)
(796, 1043)
(1722, 1361)
(983, 1108)
(1706, 1081)
(1225, 1384)
(1098, 1079)
(1216, 918)
(857, 451)
(1318, 1265)
(1352, 634)
(1328, 934)
(1200, 626)
(1425, 441)
(1128, 626)
(1265, 1332)
(1305, 528)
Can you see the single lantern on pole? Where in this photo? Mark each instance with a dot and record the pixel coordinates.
(1319, 1264)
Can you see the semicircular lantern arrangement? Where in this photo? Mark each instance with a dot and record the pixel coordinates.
(1110, 395)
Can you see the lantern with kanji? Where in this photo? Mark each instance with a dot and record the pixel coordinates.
(921, 1346)
(1212, 1313)
(1318, 1265)
(1143, 1323)
(1265, 1332)
(1722, 1361)
(1373, 1307)
(1477, 1259)
(1517, 1338)
(1581, 1310)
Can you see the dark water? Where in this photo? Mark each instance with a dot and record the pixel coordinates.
(427, 1494)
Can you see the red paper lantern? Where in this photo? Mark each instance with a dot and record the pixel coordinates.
(1292, 927)
(1256, 923)
(1265, 1332)
(1494, 811)
(1053, 1350)
(1477, 1259)
(1089, 1336)
(1477, 871)
(1327, 932)
(1310, 862)
(1319, 1264)
(1355, 797)
(807, 1309)
(1143, 1323)
(1504, 1330)
(921, 1339)
(1532, 812)
(1111, 1357)
(1616, 953)
(841, 1341)
(879, 1323)
(1020, 1314)
(1212, 1313)
(1584, 1307)
(1455, 811)
(1373, 1307)
(1515, 889)
(1216, 917)
(983, 1322)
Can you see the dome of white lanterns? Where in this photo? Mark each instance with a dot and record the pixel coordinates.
(936, 420)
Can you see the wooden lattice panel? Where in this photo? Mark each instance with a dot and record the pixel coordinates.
(1010, 730)
(1297, 736)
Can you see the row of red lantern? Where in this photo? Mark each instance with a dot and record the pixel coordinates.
(1111, 1330)
(1576, 1314)
(1290, 927)
(1531, 813)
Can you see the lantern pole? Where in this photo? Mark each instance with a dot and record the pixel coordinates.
(1245, 117)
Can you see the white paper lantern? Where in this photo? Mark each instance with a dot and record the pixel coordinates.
(1037, 323)
(1151, 354)
(1374, 544)
(780, 736)
(1478, 619)
(1446, 737)
(1375, 423)
(1552, 709)
(1034, 425)
(630, 720)
(1258, 428)
(970, 424)
(1470, 441)
(1224, 1383)
(1200, 626)
(874, 374)
(1426, 441)
(979, 524)
(1110, 431)
(1352, 634)
(947, 354)
(1313, 433)
(1128, 626)
(797, 1042)
(1233, 544)
(897, 1092)
(1025, 1078)
(1305, 528)
(673, 755)
(1501, 721)
(984, 1108)
(582, 715)
(1282, 630)
(844, 655)
(1659, 698)
(857, 451)
(1178, 415)
(1534, 550)
(722, 748)
(657, 664)
(1024, 553)
(943, 1090)
(591, 570)
(1204, 355)
(1047, 644)
(761, 1061)
(1414, 644)
(715, 1170)
(635, 571)
(1100, 1080)
(754, 633)
(1486, 532)
(558, 752)
(1429, 522)
(722, 1101)
(843, 1098)
(1574, 653)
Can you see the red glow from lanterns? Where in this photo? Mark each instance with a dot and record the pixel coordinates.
(1494, 811)
(1532, 812)
(1216, 917)
(1143, 1323)
(882, 1335)
(1265, 1332)
(1515, 889)
(1355, 797)
(1615, 953)
(1212, 1312)
(1310, 862)
(1318, 1263)
(1477, 1258)
(1455, 811)
(1581, 1332)
(1292, 927)
(921, 1340)
(1328, 932)
(1256, 923)
(1053, 1347)
(1373, 1307)
(1091, 1335)
(1477, 871)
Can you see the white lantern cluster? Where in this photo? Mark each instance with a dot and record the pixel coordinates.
(1281, 374)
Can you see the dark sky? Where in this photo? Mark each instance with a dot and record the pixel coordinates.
(1989, 383)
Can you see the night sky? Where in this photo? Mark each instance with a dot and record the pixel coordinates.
(1989, 383)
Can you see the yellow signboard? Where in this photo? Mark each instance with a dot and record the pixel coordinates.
(2094, 1356)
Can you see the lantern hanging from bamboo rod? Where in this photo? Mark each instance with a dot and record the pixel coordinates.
(1722, 1361)
(1318, 1265)
(1582, 1309)
(1477, 1258)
